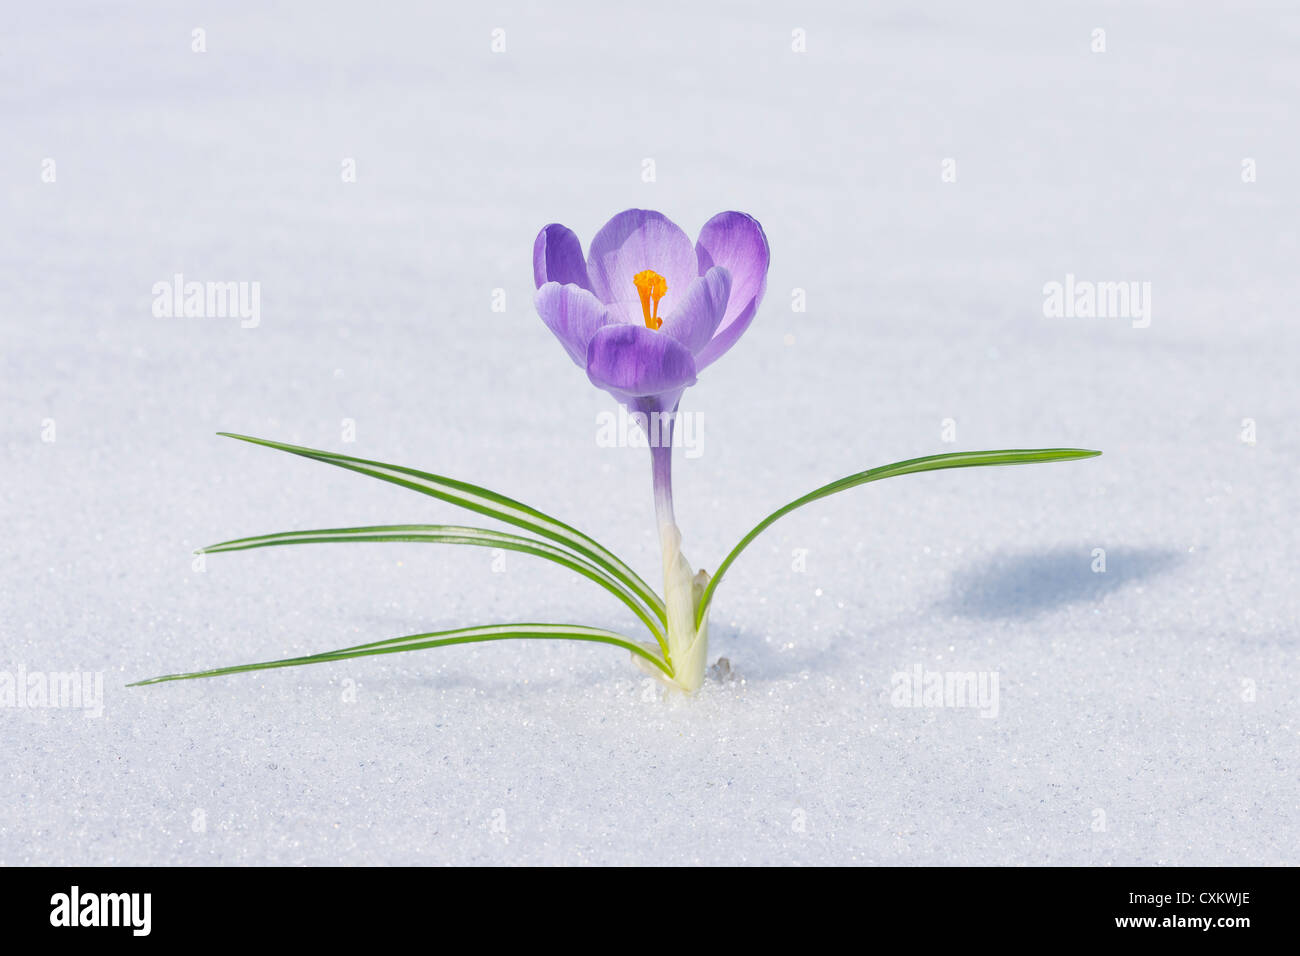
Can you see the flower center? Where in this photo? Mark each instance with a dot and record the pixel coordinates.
(652, 287)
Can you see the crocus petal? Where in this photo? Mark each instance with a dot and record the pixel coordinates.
(700, 311)
(631, 242)
(573, 314)
(631, 362)
(557, 257)
(736, 242)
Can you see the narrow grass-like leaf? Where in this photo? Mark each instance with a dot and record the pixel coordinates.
(455, 534)
(486, 502)
(961, 459)
(417, 642)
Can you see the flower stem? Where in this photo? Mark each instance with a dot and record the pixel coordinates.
(686, 645)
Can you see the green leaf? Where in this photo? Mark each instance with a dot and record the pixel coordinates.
(417, 642)
(961, 459)
(481, 500)
(454, 534)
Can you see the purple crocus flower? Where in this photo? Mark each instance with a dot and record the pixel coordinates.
(646, 310)
(643, 313)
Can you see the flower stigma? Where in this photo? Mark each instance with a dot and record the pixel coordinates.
(652, 287)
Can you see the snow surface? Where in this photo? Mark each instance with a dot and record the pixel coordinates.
(1146, 715)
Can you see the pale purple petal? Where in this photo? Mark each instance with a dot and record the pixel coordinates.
(700, 311)
(573, 314)
(557, 257)
(631, 242)
(736, 242)
(631, 362)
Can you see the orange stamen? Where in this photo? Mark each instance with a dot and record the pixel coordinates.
(652, 287)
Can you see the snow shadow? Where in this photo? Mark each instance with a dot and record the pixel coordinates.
(1029, 584)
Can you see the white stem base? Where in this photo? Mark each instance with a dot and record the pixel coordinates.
(687, 647)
